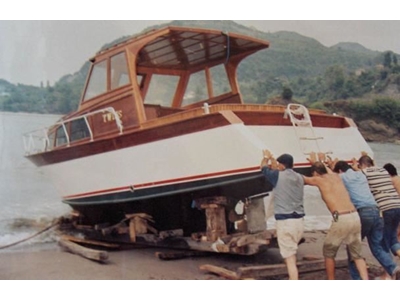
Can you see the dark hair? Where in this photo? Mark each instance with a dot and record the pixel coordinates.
(318, 167)
(286, 160)
(366, 161)
(391, 169)
(341, 165)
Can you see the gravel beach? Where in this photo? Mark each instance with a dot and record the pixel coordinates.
(54, 263)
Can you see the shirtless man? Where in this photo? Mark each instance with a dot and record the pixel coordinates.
(346, 226)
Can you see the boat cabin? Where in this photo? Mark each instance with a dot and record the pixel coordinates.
(153, 75)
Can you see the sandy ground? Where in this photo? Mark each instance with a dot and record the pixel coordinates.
(142, 264)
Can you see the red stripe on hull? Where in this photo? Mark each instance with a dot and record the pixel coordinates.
(174, 181)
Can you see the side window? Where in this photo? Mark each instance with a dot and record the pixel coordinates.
(79, 130)
(119, 71)
(220, 80)
(61, 139)
(162, 89)
(140, 79)
(196, 89)
(52, 137)
(98, 81)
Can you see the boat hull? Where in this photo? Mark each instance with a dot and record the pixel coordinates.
(222, 160)
(170, 205)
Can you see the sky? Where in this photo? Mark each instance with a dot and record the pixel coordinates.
(44, 49)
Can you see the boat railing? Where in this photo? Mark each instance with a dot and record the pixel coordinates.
(39, 141)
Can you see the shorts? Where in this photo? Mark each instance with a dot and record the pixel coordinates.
(346, 230)
(289, 233)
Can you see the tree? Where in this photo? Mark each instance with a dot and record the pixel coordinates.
(387, 59)
(287, 93)
(335, 79)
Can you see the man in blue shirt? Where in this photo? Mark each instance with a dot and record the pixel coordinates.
(288, 191)
(371, 223)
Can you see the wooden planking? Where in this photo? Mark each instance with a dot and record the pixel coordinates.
(134, 138)
(185, 122)
(268, 271)
(265, 271)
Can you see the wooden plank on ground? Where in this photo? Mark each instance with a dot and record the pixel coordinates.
(90, 242)
(265, 271)
(91, 254)
(220, 271)
(172, 255)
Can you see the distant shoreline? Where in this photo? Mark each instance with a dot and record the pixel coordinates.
(28, 114)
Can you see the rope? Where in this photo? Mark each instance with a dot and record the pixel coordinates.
(32, 236)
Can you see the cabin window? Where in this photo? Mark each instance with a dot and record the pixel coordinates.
(140, 80)
(79, 130)
(52, 137)
(196, 89)
(162, 90)
(119, 71)
(98, 81)
(61, 138)
(220, 80)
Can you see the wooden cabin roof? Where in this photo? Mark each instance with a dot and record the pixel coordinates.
(183, 48)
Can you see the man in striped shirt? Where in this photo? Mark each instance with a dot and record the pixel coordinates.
(386, 197)
(371, 222)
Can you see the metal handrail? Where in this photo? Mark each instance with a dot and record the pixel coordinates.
(28, 138)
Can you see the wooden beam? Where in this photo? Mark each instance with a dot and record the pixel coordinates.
(132, 230)
(265, 271)
(228, 274)
(211, 200)
(138, 224)
(91, 254)
(258, 238)
(215, 221)
(90, 242)
(172, 255)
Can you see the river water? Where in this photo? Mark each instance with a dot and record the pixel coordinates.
(29, 202)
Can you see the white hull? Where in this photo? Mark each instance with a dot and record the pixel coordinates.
(229, 150)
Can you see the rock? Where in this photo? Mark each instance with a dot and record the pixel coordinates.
(374, 131)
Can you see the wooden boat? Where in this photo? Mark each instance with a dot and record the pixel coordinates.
(162, 130)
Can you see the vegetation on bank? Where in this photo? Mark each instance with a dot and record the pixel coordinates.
(347, 78)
